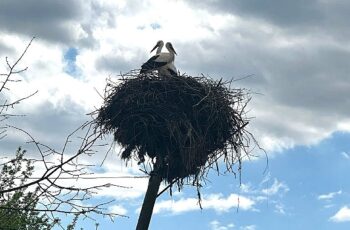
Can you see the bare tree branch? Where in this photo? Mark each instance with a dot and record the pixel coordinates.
(52, 194)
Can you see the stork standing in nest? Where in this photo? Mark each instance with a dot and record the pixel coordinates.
(163, 62)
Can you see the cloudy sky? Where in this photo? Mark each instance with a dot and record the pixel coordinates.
(296, 52)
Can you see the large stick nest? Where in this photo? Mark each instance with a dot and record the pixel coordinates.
(183, 124)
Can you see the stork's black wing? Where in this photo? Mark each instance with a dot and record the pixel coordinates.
(172, 72)
(152, 64)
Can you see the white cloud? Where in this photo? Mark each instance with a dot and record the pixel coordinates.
(118, 209)
(115, 45)
(216, 225)
(277, 187)
(279, 208)
(246, 188)
(136, 187)
(115, 172)
(344, 125)
(343, 215)
(273, 194)
(248, 227)
(217, 202)
(329, 196)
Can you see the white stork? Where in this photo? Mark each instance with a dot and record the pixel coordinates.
(163, 62)
(159, 45)
(168, 70)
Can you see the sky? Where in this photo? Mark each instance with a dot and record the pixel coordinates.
(297, 57)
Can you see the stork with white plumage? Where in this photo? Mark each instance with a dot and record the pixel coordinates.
(163, 62)
(168, 70)
(159, 45)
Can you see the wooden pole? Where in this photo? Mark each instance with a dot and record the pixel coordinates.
(148, 202)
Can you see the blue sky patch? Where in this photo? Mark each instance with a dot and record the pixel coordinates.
(155, 26)
(70, 58)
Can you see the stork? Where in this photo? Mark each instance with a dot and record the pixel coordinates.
(168, 70)
(163, 62)
(159, 45)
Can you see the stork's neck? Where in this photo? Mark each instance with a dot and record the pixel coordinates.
(159, 49)
(171, 51)
(172, 56)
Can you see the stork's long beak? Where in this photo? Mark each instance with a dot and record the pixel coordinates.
(172, 48)
(154, 47)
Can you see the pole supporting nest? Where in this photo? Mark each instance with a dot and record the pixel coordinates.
(148, 202)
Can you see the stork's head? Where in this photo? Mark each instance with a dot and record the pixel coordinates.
(160, 43)
(170, 47)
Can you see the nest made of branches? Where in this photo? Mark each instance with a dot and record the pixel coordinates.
(183, 124)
